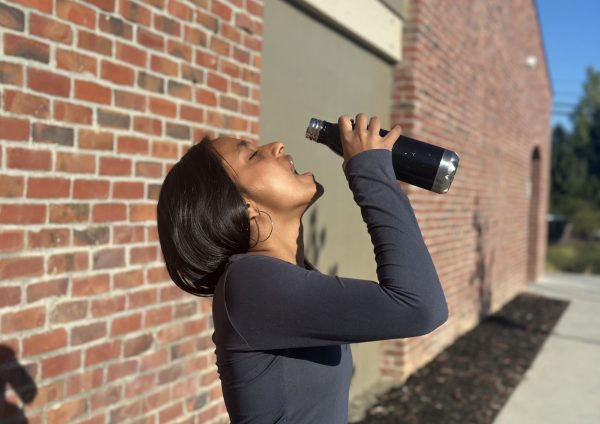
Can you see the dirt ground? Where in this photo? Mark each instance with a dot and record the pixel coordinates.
(471, 380)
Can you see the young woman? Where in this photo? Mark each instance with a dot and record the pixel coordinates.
(229, 223)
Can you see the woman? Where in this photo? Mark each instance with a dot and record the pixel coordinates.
(229, 222)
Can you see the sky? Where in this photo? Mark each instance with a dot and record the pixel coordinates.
(571, 32)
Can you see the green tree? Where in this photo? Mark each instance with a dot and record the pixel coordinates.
(575, 162)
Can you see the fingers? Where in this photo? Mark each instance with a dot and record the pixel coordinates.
(375, 125)
(360, 124)
(344, 125)
(393, 134)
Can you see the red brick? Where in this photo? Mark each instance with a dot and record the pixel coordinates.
(135, 12)
(85, 381)
(11, 268)
(144, 254)
(87, 333)
(14, 129)
(93, 140)
(76, 62)
(93, 285)
(76, 13)
(109, 212)
(142, 298)
(48, 237)
(52, 134)
(69, 311)
(45, 27)
(190, 113)
(126, 324)
(109, 258)
(128, 190)
(24, 319)
(73, 113)
(165, 66)
(12, 18)
(48, 82)
(19, 158)
(148, 169)
(15, 45)
(26, 104)
(155, 317)
(115, 166)
(151, 40)
(45, 342)
(121, 369)
(45, 289)
(147, 125)
(61, 364)
(11, 186)
(9, 295)
(171, 412)
(167, 25)
(91, 236)
(67, 262)
(11, 240)
(143, 212)
(109, 306)
(132, 145)
(108, 5)
(75, 162)
(129, 279)
(180, 50)
(67, 411)
(162, 107)
(41, 5)
(221, 10)
(102, 353)
(116, 26)
(91, 189)
(95, 43)
(71, 212)
(165, 149)
(177, 89)
(11, 73)
(138, 345)
(47, 187)
(90, 91)
(117, 73)
(130, 100)
(22, 214)
(131, 54)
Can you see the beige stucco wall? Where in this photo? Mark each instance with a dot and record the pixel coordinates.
(311, 70)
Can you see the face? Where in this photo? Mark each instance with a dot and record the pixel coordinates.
(264, 175)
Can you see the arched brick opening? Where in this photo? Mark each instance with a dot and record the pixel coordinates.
(534, 216)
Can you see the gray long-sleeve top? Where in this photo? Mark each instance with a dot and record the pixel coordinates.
(282, 331)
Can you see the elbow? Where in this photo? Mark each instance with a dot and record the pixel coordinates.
(433, 316)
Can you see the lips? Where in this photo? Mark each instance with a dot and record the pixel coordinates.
(291, 162)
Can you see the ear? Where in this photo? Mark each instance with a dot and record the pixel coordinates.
(252, 209)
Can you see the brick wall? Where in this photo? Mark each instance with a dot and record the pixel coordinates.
(97, 100)
(464, 84)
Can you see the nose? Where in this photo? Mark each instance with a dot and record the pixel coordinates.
(277, 147)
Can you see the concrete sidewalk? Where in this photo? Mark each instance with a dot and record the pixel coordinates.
(562, 385)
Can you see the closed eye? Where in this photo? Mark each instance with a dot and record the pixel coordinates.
(252, 155)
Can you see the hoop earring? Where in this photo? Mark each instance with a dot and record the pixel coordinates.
(257, 226)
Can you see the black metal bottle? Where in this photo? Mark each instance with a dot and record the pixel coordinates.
(415, 162)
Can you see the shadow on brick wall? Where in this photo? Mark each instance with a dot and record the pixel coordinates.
(480, 275)
(13, 374)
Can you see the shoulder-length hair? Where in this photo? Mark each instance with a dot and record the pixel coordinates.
(202, 220)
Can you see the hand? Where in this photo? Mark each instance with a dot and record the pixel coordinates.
(364, 137)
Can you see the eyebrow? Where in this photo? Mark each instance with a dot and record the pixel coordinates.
(243, 143)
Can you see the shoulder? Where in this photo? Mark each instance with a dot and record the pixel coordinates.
(261, 270)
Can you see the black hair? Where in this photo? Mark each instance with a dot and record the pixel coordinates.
(202, 220)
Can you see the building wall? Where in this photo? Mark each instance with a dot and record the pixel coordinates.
(98, 98)
(464, 83)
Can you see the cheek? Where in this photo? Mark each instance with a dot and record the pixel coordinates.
(276, 188)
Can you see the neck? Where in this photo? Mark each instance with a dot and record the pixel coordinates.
(286, 241)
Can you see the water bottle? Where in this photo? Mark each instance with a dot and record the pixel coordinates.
(415, 162)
